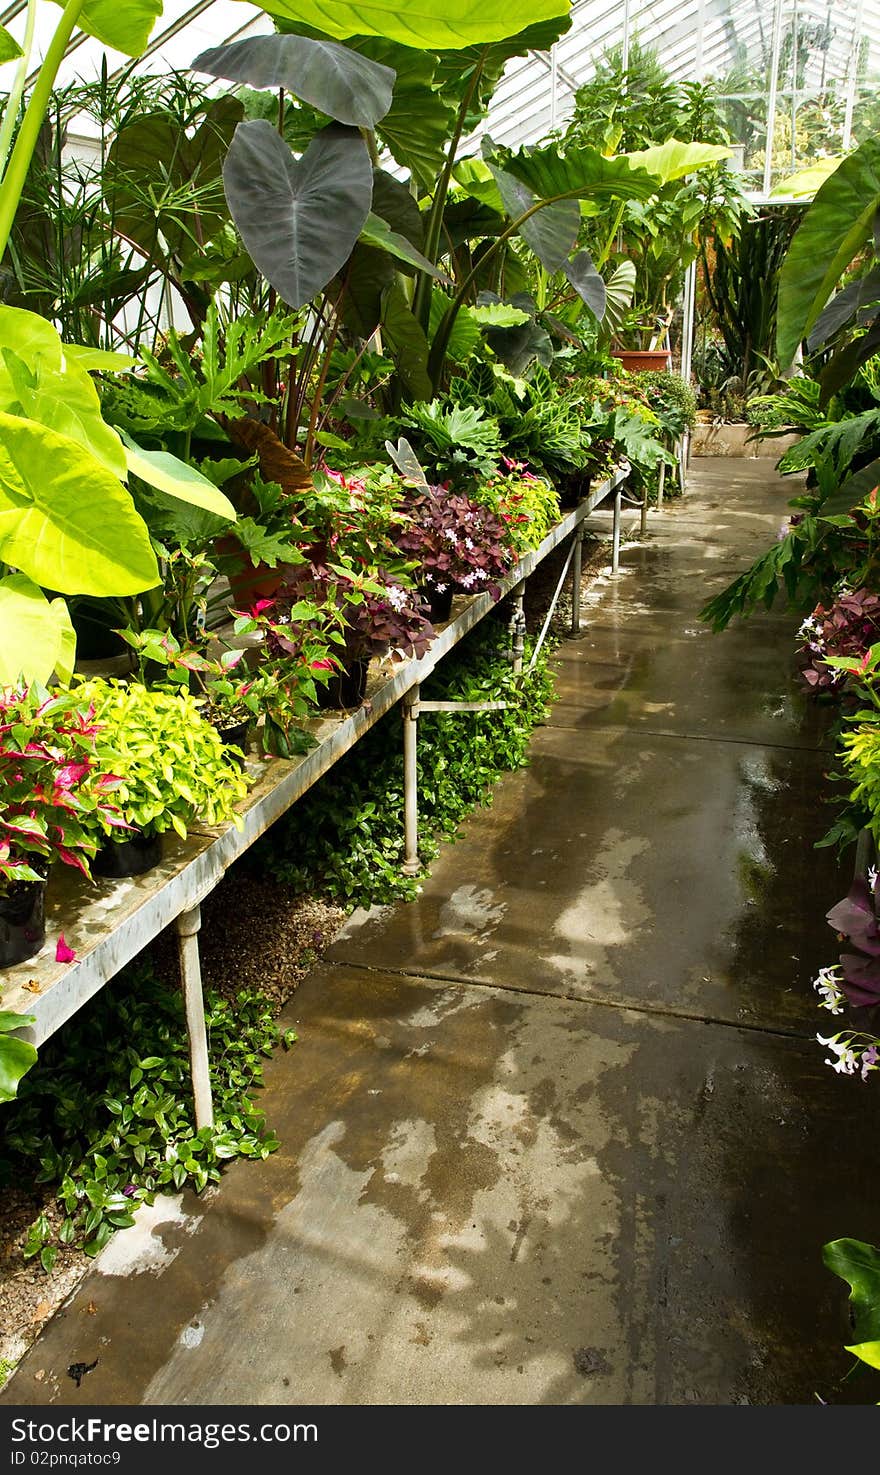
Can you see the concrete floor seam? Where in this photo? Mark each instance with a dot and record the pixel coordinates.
(698, 737)
(661, 1012)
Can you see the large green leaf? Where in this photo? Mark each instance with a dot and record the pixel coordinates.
(37, 638)
(395, 204)
(406, 343)
(833, 231)
(42, 380)
(165, 472)
(478, 180)
(859, 1265)
(341, 83)
(104, 360)
(469, 220)
(65, 401)
(551, 232)
(673, 160)
(9, 47)
(369, 272)
(577, 173)
(16, 1056)
(65, 521)
(299, 218)
(126, 27)
(456, 24)
(619, 290)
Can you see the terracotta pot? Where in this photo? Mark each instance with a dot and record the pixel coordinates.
(132, 856)
(248, 581)
(22, 922)
(638, 359)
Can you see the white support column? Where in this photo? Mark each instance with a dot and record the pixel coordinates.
(852, 77)
(772, 94)
(615, 534)
(410, 712)
(187, 926)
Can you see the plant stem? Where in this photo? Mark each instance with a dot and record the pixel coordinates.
(29, 132)
(610, 241)
(16, 91)
(422, 295)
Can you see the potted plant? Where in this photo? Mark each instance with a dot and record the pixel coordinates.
(171, 766)
(458, 545)
(527, 504)
(365, 614)
(51, 796)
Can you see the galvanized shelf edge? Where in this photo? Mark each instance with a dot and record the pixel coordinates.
(111, 923)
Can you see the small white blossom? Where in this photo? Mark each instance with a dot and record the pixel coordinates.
(809, 626)
(827, 986)
(468, 542)
(872, 876)
(451, 536)
(396, 597)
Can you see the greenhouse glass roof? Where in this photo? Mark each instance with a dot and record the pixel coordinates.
(778, 63)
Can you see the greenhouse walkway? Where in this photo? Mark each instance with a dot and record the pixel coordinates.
(559, 1132)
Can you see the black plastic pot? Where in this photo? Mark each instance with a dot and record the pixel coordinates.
(22, 922)
(236, 736)
(346, 688)
(132, 856)
(440, 604)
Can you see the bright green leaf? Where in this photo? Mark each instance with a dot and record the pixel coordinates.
(125, 27)
(859, 1265)
(64, 520)
(377, 232)
(36, 636)
(162, 470)
(673, 160)
(452, 26)
(9, 47)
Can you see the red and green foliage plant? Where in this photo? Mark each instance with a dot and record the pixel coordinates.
(455, 541)
(53, 797)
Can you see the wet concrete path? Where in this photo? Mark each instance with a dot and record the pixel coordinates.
(558, 1132)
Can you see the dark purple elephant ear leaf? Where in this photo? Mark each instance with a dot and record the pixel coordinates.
(861, 979)
(856, 908)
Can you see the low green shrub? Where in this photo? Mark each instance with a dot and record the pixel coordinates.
(108, 1115)
(345, 837)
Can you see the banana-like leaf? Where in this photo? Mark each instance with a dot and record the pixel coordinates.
(9, 47)
(587, 282)
(125, 27)
(406, 343)
(341, 83)
(551, 232)
(859, 1265)
(578, 173)
(619, 290)
(833, 231)
(673, 160)
(177, 479)
(65, 521)
(16, 1056)
(299, 218)
(377, 232)
(37, 638)
(452, 26)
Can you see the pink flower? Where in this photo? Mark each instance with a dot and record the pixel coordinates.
(63, 953)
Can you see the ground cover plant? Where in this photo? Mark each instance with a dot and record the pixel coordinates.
(345, 837)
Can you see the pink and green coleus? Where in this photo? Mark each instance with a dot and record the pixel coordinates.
(53, 795)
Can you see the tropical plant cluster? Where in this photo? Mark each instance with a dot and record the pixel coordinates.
(825, 563)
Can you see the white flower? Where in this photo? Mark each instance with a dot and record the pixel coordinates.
(480, 573)
(809, 626)
(441, 588)
(827, 986)
(468, 543)
(396, 597)
(451, 536)
(872, 876)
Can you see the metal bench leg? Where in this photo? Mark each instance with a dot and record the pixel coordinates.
(660, 485)
(576, 571)
(188, 924)
(517, 627)
(410, 711)
(615, 536)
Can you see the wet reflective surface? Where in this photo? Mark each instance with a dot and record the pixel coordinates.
(558, 1132)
